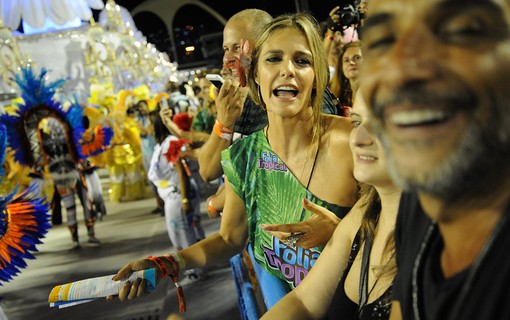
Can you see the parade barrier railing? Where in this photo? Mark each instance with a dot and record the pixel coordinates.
(257, 289)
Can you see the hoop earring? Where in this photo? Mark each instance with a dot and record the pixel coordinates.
(262, 104)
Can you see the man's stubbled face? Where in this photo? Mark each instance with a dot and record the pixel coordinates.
(436, 76)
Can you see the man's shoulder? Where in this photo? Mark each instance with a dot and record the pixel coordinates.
(410, 211)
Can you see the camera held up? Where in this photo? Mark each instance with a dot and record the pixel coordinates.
(349, 14)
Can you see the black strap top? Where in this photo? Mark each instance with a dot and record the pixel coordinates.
(342, 307)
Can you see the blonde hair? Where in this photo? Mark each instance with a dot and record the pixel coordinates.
(307, 24)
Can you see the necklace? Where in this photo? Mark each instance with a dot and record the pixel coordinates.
(363, 281)
(473, 270)
(364, 293)
(306, 160)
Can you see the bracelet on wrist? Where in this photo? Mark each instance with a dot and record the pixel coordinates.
(177, 263)
(222, 131)
(225, 136)
(222, 127)
(161, 266)
(178, 258)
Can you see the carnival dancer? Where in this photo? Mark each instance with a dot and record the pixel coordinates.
(45, 136)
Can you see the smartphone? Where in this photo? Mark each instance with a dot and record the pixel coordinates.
(164, 103)
(215, 79)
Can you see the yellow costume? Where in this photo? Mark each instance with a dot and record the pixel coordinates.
(124, 159)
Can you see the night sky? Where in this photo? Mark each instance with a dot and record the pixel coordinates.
(319, 8)
(192, 26)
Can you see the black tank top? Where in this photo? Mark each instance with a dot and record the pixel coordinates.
(342, 307)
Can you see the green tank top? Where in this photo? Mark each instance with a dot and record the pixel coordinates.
(272, 195)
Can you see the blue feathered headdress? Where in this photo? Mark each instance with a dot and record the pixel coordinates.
(38, 104)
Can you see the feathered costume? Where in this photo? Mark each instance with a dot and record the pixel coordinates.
(124, 159)
(45, 135)
(24, 221)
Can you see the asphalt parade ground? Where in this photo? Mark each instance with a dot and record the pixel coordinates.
(128, 232)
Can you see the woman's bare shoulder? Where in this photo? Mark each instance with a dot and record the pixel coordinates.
(337, 123)
(337, 129)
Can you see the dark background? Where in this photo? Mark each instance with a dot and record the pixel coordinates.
(319, 8)
(194, 27)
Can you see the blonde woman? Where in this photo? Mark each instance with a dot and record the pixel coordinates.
(301, 153)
